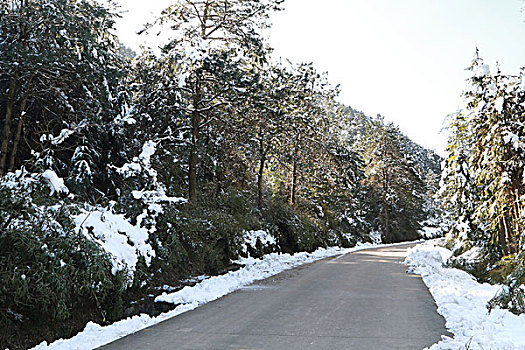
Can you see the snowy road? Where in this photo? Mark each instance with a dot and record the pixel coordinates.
(363, 300)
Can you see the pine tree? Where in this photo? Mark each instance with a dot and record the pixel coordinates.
(209, 38)
(61, 70)
(397, 183)
(483, 177)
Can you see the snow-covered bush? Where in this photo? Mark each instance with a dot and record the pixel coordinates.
(48, 270)
(256, 243)
(205, 236)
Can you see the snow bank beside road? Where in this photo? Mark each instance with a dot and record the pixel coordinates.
(462, 301)
(255, 269)
(189, 298)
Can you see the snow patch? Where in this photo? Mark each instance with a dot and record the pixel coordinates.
(482, 71)
(148, 149)
(512, 139)
(431, 232)
(498, 104)
(250, 239)
(376, 238)
(463, 303)
(117, 236)
(55, 183)
(157, 197)
(143, 161)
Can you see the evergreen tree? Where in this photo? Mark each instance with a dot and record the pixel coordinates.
(59, 71)
(210, 38)
(483, 177)
(396, 183)
(483, 180)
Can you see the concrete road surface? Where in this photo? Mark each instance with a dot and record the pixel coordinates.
(363, 300)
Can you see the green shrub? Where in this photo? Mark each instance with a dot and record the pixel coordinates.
(512, 296)
(202, 237)
(294, 232)
(48, 271)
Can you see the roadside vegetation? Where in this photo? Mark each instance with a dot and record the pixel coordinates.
(121, 174)
(483, 183)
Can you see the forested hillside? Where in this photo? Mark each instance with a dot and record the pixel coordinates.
(123, 173)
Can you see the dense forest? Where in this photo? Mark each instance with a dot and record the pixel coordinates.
(123, 172)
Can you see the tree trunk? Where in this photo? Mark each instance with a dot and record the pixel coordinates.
(293, 192)
(6, 133)
(508, 235)
(388, 238)
(517, 219)
(502, 238)
(192, 171)
(19, 127)
(515, 215)
(262, 162)
(386, 209)
(16, 141)
(195, 124)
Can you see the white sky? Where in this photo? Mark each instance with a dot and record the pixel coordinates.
(404, 59)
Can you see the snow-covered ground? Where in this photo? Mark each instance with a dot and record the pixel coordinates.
(189, 298)
(462, 301)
